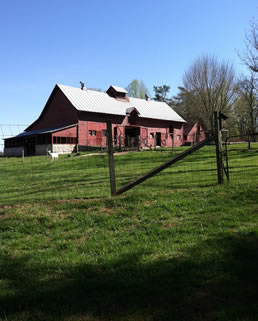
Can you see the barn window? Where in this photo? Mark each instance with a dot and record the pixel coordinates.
(94, 133)
(151, 135)
(64, 140)
(178, 137)
(90, 132)
(104, 132)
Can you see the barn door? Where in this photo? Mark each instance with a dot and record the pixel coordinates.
(120, 135)
(163, 139)
(144, 136)
(99, 138)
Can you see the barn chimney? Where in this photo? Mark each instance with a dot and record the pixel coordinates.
(83, 87)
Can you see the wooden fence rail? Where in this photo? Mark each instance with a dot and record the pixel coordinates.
(165, 165)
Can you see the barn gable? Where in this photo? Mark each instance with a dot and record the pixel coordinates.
(58, 112)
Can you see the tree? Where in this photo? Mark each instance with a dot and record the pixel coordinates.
(137, 89)
(161, 93)
(246, 108)
(186, 105)
(213, 85)
(250, 56)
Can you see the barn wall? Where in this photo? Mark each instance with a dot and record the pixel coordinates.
(13, 151)
(69, 132)
(63, 148)
(55, 148)
(149, 136)
(90, 122)
(99, 117)
(58, 112)
(84, 137)
(42, 149)
(149, 128)
(191, 136)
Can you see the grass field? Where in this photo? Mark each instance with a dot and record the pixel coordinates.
(86, 176)
(177, 247)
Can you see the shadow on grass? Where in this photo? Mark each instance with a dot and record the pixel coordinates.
(216, 280)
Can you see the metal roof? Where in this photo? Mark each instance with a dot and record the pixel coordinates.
(41, 131)
(101, 102)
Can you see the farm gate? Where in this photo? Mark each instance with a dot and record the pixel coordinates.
(215, 139)
(240, 154)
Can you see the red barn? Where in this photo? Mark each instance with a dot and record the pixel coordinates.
(77, 117)
(193, 133)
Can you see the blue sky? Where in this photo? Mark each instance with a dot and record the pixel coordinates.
(101, 43)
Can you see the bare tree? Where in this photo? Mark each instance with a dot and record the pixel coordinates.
(250, 55)
(213, 85)
(247, 105)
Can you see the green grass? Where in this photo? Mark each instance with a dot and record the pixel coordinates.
(77, 177)
(177, 247)
(180, 255)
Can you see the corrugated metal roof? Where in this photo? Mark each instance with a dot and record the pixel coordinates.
(41, 131)
(100, 102)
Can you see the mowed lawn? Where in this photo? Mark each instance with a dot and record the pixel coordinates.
(166, 250)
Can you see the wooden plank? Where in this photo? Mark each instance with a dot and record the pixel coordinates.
(164, 166)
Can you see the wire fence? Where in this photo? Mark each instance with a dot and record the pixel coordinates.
(83, 171)
(71, 176)
(9, 130)
(74, 174)
(242, 157)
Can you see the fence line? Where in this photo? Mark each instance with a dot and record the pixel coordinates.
(84, 173)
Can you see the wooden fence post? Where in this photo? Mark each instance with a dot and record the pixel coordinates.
(111, 159)
(120, 143)
(249, 140)
(218, 142)
(23, 155)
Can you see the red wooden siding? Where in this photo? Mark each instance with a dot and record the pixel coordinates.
(58, 112)
(69, 132)
(194, 135)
